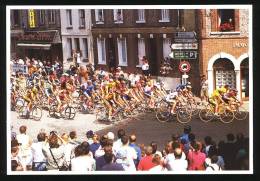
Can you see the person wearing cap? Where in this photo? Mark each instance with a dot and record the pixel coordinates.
(89, 136)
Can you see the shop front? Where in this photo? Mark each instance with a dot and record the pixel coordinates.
(42, 45)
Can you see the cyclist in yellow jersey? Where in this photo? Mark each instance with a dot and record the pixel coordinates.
(216, 98)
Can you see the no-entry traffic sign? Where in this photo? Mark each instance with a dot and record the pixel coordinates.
(184, 66)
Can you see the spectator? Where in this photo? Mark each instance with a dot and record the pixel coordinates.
(145, 66)
(196, 158)
(213, 166)
(95, 145)
(83, 160)
(154, 146)
(90, 135)
(186, 132)
(68, 148)
(25, 148)
(100, 151)
(132, 140)
(100, 161)
(58, 152)
(117, 144)
(146, 163)
(178, 164)
(214, 152)
(111, 165)
(208, 144)
(39, 162)
(229, 152)
(126, 155)
(157, 160)
(204, 88)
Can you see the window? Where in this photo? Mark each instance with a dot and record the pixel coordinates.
(77, 44)
(82, 18)
(41, 16)
(122, 52)
(16, 19)
(51, 16)
(165, 15)
(99, 16)
(69, 48)
(118, 16)
(141, 16)
(85, 49)
(166, 47)
(69, 18)
(101, 51)
(226, 20)
(141, 49)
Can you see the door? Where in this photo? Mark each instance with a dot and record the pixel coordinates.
(111, 54)
(153, 57)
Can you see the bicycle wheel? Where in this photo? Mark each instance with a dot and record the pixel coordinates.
(195, 108)
(19, 104)
(52, 110)
(183, 115)
(226, 116)
(37, 113)
(70, 112)
(240, 113)
(206, 114)
(23, 112)
(162, 112)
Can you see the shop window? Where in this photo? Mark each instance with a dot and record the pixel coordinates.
(141, 16)
(69, 41)
(226, 20)
(165, 17)
(16, 19)
(166, 47)
(85, 49)
(69, 18)
(101, 51)
(99, 14)
(82, 18)
(118, 15)
(41, 17)
(141, 50)
(122, 51)
(51, 16)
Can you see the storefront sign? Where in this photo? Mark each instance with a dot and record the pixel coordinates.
(240, 45)
(183, 54)
(31, 18)
(37, 36)
(180, 46)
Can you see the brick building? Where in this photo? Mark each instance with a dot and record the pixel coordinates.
(36, 34)
(121, 37)
(223, 44)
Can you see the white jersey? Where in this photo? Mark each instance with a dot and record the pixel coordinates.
(170, 97)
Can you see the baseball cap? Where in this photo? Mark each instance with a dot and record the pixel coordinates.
(110, 135)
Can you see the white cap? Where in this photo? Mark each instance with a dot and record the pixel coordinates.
(111, 135)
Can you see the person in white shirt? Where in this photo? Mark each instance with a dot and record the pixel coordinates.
(38, 159)
(212, 164)
(172, 98)
(117, 144)
(125, 155)
(25, 149)
(78, 57)
(178, 163)
(83, 161)
(145, 66)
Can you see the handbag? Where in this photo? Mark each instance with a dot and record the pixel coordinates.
(63, 167)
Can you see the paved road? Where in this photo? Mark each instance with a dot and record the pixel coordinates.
(149, 129)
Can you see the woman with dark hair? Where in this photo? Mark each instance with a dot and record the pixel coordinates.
(54, 152)
(83, 160)
(196, 158)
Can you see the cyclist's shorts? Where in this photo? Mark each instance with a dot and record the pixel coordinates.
(27, 99)
(126, 97)
(148, 93)
(225, 100)
(213, 101)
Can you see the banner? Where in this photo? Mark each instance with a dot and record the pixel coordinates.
(31, 18)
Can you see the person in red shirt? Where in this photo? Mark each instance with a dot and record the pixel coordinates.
(146, 163)
(196, 158)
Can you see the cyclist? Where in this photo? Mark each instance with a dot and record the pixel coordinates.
(172, 98)
(216, 98)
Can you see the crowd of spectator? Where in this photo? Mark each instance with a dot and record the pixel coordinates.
(54, 152)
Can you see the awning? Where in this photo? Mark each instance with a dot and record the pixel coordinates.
(34, 46)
